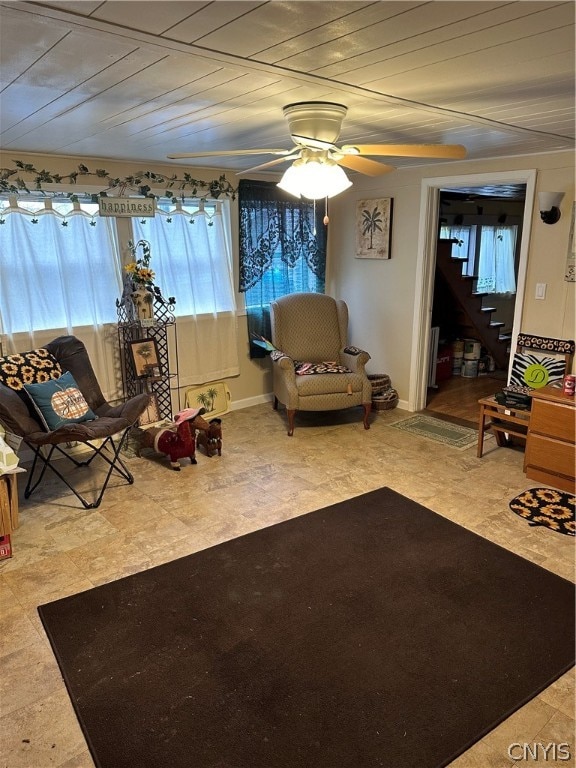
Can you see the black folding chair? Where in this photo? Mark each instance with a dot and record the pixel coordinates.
(103, 435)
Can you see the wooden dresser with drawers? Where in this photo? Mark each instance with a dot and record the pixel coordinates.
(550, 456)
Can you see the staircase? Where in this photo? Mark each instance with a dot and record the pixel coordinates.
(477, 319)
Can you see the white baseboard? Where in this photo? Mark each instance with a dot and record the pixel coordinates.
(248, 402)
(268, 397)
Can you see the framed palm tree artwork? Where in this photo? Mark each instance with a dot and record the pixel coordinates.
(374, 228)
(145, 358)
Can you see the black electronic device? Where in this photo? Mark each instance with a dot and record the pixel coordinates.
(513, 398)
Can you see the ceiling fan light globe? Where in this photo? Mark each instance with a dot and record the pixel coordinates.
(290, 181)
(314, 180)
(325, 180)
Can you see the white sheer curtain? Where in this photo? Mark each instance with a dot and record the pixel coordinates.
(60, 274)
(465, 248)
(191, 256)
(496, 260)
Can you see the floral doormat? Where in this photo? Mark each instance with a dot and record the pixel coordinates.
(439, 430)
(545, 506)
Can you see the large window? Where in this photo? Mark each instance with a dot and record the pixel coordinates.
(282, 251)
(191, 249)
(61, 271)
(59, 266)
(487, 253)
(191, 255)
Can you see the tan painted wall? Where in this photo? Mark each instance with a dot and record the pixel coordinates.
(381, 294)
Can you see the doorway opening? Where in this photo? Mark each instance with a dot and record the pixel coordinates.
(474, 296)
(429, 229)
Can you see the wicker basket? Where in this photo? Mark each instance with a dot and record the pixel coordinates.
(385, 400)
(380, 382)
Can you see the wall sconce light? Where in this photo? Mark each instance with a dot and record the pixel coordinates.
(549, 205)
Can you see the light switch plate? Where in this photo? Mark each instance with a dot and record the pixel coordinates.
(540, 291)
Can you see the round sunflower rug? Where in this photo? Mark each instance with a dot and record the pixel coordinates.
(545, 506)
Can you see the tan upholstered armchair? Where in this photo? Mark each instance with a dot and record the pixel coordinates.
(314, 369)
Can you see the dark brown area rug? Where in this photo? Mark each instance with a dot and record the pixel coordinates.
(373, 632)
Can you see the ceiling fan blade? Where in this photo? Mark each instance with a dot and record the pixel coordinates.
(363, 165)
(269, 164)
(224, 152)
(450, 151)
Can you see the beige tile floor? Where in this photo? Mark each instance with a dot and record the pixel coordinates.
(262, 477)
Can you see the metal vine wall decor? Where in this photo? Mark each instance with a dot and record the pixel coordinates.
(12, 182)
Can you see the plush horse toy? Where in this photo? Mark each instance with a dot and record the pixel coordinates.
(211, 439)
(178, 441)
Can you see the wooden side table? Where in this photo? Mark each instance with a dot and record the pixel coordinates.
(8, 503)
(501, 420)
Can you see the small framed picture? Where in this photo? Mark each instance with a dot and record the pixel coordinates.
(145, 358)
(374, 228)
(152, 412)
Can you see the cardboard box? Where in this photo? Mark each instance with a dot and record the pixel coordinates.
(8, 459)
(5, 547)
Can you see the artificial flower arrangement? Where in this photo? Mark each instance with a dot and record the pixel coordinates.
(139, 288)
(139, 270)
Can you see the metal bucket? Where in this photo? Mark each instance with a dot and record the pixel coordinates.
(457, 366)
(458, 348)
(472, 349)
(470, 369)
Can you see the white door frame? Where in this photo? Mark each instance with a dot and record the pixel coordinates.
(426, 265)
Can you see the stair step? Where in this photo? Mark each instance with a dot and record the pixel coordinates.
(487, 309)
(496, 324)
(505, 337)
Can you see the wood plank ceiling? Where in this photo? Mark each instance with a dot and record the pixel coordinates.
(139, 80)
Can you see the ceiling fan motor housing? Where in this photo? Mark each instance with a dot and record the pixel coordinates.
(318, 120)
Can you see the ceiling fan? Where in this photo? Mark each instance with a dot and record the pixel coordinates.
(315, 126)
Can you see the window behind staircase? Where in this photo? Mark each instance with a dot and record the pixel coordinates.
(487, 253)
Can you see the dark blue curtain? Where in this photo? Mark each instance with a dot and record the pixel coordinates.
(282, 250)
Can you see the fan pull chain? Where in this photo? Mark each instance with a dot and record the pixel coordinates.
(326, 219)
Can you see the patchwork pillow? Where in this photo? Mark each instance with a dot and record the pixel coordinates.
(59, 401)
(305, 369)
(33, 367)
(534, 371)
